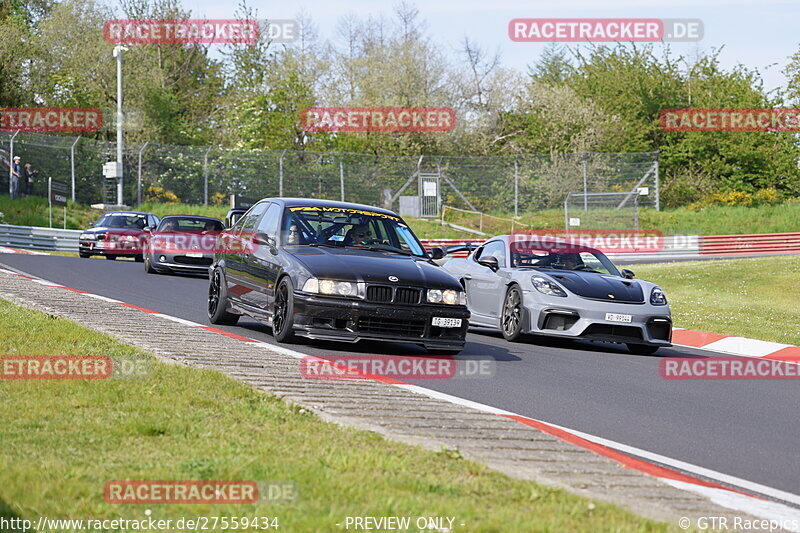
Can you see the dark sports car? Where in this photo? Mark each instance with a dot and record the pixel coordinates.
(335, 271)
(117, 234)
(182, 243)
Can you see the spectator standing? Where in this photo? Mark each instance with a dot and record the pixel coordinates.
(15, 177)
(28, 174)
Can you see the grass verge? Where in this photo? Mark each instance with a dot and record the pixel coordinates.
(64, 439)
(753, 298)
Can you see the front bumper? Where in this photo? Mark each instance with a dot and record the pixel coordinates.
(92, 247)
(650, 325)
(181, 262)
(338, 319)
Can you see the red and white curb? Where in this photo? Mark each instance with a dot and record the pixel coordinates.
(731, 345)
(7, 250)
(674, 472)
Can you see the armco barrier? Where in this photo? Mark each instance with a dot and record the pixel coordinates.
(769, 243)
(36, 238)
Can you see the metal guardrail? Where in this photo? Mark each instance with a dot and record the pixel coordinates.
(36, 238)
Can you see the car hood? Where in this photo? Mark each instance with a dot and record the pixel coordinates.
(352, 264)
(599, 286)
(103, 229)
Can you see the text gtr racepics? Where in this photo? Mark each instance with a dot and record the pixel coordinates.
(335, 271)
(523, 284)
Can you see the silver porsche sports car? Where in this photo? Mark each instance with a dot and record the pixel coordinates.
(557, 288)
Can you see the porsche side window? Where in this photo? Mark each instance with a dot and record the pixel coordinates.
(496, 249)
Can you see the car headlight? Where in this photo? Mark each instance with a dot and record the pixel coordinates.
(330, 287)
(447, 297)
(657, 296)
(85, 236)
(545, 286)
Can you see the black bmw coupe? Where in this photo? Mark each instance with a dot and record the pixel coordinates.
(335, 271)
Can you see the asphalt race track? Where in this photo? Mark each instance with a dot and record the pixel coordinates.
(747, 429)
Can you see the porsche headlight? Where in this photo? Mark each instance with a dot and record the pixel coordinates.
(545, 286)
(330, 287)
(657, 296)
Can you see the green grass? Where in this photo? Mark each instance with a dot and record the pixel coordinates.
(754, 298)
(64, 439)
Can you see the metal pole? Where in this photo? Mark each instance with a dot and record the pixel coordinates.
(585, 197)
(658, 195)
(205, 177)
(72, 164)
(118, 53)
(50, 199)
(341, 174)
(280, 168)
(516, 191)
(566, 214)
(11, 161)
(139, 178)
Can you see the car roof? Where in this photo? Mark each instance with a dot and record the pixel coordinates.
(203, 217)
(313, 202)
(127, 213)
(545, 239)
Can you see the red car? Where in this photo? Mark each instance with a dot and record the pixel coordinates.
(118, 234)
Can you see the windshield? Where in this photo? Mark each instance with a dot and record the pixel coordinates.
(122, 221)
(190, 224)
(343, 228)
(582, 261)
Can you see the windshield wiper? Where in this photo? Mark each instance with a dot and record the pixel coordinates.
(382, 248)
(329, 245)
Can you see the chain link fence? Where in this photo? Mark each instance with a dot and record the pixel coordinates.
(208, 175)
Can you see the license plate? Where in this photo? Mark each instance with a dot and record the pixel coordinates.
(194, 254)
(613, 317)
(446, 322)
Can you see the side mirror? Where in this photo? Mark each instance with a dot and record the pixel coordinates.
(628, 274)
(265, 240)
(436, 253)
(489, 262)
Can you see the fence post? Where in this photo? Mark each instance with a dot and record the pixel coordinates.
(72, 164)
(11, 161)
(516, 191)
(205, 177)
(139, 179)
(341, 174)
(658, 195)
(280, 173)
(585, 197)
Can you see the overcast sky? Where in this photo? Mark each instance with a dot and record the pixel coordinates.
(760, 34)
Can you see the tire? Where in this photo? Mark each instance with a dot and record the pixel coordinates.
(283, 311)
(513, 315)
(217, 309)
(138, 258)
(83, 255)
(641, 349)
(111, 257)
(148, 266)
